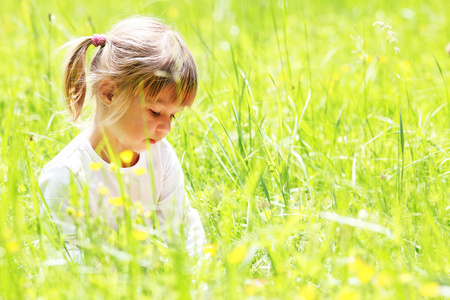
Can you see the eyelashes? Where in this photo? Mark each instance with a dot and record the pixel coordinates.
(157, 114)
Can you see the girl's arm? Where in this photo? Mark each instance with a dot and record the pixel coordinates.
(174, 209)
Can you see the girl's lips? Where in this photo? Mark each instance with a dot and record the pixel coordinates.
(152, 141)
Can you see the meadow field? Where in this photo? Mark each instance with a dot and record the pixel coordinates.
(316, 152)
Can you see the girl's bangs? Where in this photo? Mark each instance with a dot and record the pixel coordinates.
(184, 90)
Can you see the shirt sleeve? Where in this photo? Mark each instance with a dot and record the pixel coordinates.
(175, 211)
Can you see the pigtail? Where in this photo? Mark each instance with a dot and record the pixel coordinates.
(74, 78)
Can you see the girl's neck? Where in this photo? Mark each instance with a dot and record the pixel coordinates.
(100, 141)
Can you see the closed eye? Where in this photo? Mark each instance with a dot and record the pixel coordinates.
(154, 113)
(157, 114)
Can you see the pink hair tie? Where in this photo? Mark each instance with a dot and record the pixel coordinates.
(98, 39)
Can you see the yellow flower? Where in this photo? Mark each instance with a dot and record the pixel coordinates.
(116, 201)
(126, 156)
(307, 293)
(365, 57)
(22, 188)
(95, 166)
(210, 249)
(382, 59)
(172, 12)
(139, 235)
(406, 65)
(5, 233)
(405, 277)
(113, 166)
(347, 294)
(366, 274)
(139, 171)
(12, 246)
(335, 77)
(237, 255)
(267, 213)
(75, 202)
(103, 191)
(430, 289)
(78, 214)
(363, 271)
(383, 279)
(147, 214)
(345, 68)
(139, 207)
(70, 210)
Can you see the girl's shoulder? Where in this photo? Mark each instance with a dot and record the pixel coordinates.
(68, 155)
(165, 151)
(67, 163)
(165, 146)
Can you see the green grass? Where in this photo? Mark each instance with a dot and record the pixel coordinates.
(313, 149)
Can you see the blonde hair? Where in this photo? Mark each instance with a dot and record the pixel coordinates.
(140, 56)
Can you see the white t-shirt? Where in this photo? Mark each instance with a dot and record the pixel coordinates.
(155, 183)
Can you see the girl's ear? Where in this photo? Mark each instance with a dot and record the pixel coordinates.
(106, 91)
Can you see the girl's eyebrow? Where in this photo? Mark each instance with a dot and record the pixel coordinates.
(161, 102)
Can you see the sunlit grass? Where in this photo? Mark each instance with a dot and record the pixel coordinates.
(316, 154)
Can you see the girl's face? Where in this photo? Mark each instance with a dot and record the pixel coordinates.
(147, 121)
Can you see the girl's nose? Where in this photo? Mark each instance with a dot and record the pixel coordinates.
(165, 126)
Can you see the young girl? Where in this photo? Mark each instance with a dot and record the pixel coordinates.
(141, 76)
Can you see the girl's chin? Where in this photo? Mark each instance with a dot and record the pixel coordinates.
(146, 145)
(141, 148)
